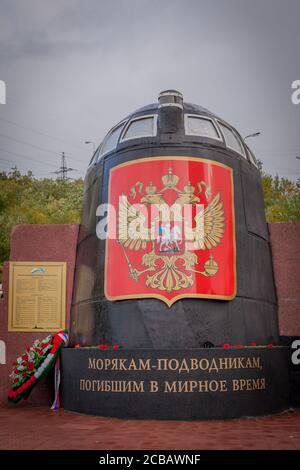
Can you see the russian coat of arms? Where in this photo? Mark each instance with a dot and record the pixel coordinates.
(174, 230)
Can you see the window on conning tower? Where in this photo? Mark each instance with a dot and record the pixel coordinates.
(201, 126)
(231, 139)
(111, 140)
(144, 126)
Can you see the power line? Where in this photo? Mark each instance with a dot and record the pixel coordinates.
(30, 145)
(21, 169)
(37, 147)
(40, 133)
(63, 169)
(45, 113)
(28, 158)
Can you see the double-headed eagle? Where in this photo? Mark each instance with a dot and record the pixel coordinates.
(164, 271)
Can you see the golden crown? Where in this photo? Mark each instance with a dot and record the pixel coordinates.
(170, 180)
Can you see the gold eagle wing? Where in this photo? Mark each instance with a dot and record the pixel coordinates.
(128, 214)
(212, 220)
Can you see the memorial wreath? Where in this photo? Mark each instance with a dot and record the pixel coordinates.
(34, 364)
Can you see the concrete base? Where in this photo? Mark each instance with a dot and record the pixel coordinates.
(176, 384)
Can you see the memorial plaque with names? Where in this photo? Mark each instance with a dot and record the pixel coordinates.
(37, 296)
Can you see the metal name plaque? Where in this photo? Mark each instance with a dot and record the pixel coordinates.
(37, 296)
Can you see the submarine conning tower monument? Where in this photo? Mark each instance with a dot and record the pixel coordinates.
(174, 311)
(165, 152)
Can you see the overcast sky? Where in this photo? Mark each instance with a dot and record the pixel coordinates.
(73, 68)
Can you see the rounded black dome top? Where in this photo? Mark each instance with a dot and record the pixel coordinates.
(174, 121)
(169, 98)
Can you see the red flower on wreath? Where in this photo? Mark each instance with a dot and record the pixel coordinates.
(28, 370)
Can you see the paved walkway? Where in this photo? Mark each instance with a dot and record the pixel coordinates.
(28, 427)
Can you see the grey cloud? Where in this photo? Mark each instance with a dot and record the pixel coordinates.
(74, 68)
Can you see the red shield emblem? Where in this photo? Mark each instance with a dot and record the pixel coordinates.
(171, 230)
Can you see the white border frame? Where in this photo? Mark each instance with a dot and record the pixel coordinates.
(242, 154)
(207, 118)
(170, 93)
(168, 105)
(107, 136)
(139, 118)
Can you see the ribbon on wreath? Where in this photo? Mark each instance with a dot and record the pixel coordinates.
(56, 403)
